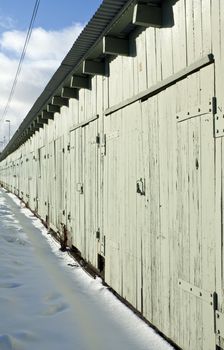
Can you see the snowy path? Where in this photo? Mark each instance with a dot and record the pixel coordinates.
(47, 304)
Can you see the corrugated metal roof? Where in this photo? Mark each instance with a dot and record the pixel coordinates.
(105, 16)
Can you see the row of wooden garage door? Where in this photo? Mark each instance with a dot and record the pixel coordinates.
(142, 188)
(143, 193)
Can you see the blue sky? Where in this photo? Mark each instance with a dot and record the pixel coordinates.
(57, 25)
(52, 14)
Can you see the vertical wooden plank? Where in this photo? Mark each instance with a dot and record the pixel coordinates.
(112, 203)
(166, 43)
(198, 4)
(163, 205)
(208, 224)
(94, 96)
(195, 228)
(101, 168)
(140, 200)
(72, 187)
(116, 75)
(206, 27)
(88, 104)
(183, 229)
(146, 233)
(81, 105)
(194, 188)
(182, 310)
(128, 79)
(217, 13)
(154, 210)
(90, 191)
(125, 185)
(158, 41)
(86, 132)
(207, 162)
(220, 99)
(174, 298)
(139, 60)
(179, 36)
(151, 56)
(190, 31)
(82, 200)
(133, 228)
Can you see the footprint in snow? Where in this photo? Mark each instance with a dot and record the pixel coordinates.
(7, 342)
(10, 285)
(52, 297)
(54, 309)
(12, 342)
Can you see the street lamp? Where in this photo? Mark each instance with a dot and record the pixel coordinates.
(8, 121)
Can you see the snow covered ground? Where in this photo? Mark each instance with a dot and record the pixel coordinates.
(48, 302)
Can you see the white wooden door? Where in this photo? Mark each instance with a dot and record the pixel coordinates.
(52, 184)
(91, 191)
(59, 183)
(84, 190)
(42, 182)
(196, 219)
(31, 181)
(122, 175)
(76, 190)
(196, 212)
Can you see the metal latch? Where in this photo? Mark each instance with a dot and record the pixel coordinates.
(98, 234)
(103, 146)
(79, 187)
(140, 186)
(98, 139)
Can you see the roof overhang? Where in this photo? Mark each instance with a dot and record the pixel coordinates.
(107, 33)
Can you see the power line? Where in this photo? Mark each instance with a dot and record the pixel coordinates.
(29, 32)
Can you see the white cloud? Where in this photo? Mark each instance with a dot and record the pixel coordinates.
(44, 54)
(7, 22)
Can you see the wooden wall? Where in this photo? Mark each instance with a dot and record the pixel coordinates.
(148, 196)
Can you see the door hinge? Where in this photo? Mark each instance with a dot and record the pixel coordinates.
(68, 147)
(69, 217)
(218, 318)
(209, 297)
(98, 139)
(219, 323)
(218, 119)
(63, 150)
(206, 296)
(103, 146)
(98, 234)
(214, 105)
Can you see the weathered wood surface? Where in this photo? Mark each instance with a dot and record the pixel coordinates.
(86, 177)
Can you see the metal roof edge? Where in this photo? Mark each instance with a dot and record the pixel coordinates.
(106, 15)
